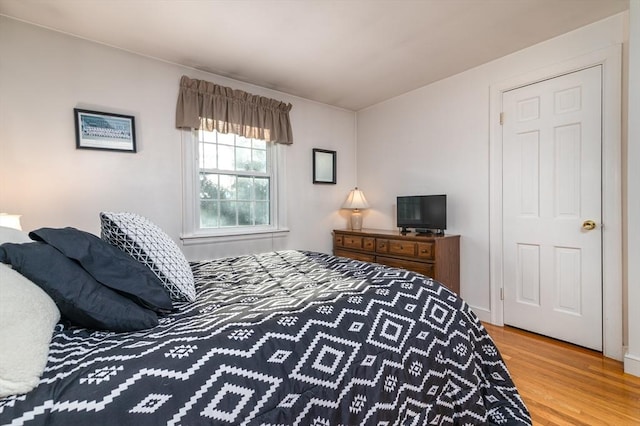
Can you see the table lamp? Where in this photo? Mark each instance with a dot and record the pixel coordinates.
(355, 202)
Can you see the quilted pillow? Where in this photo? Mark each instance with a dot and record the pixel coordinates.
(79, 297)
(27, 318)
(108, 266)
(148, 244)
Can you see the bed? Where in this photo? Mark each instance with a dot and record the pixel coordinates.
(282, 338)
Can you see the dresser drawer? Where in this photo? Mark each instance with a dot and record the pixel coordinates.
(354, 255)
(419, 267)
(369, 244)
(426, 251)
(351, 241)
(402, 248)
(358, 243)
(382, 245)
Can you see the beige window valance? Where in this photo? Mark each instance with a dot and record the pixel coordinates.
(232, 111)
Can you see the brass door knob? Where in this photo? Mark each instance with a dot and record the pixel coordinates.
(588, 225)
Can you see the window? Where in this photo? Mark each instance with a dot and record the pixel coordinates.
(231, 181)
(231, 185)
(235, 181)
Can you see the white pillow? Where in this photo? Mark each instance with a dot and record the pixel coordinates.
(27, 318)
(148, 244)
(12, 235)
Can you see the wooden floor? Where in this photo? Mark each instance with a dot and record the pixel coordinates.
(562, 384)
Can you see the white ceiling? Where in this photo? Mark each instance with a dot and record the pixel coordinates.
(347, 53)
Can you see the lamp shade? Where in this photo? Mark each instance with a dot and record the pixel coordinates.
(10, 221)
(356, 200)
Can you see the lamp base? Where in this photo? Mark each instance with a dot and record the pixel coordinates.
(356, 220)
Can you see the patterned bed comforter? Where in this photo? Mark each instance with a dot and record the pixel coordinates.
(283, 338)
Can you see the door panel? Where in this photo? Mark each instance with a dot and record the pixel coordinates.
(528, 278)
(551, 185)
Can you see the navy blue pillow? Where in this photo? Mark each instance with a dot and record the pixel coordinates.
(79, 297)
(109, 265)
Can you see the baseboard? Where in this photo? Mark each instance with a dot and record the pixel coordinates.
(482, 313)
(632, 364)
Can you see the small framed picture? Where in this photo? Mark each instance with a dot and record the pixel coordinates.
(324, 166)
(104, 130)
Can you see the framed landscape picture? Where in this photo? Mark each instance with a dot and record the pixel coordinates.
(104, 130)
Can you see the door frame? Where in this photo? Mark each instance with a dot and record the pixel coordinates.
(611, 60)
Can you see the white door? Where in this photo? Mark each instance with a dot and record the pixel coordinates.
(551, 190)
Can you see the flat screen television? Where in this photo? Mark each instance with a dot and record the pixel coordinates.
(427, 214)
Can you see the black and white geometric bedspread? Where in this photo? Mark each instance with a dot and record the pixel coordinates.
(284, 338)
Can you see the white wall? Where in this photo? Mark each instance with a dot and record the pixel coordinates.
(440, 138)
(45, 74)
(632, 358)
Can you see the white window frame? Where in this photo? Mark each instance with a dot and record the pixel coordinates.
(191, 231)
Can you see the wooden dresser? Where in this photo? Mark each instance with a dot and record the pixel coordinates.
(435, 256)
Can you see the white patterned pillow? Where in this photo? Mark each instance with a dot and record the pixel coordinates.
(148, 244)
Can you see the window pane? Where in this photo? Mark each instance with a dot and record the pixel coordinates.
(259, 163)
(208, 156)
(262, 213)
(227, 187)
(207, 136)
(261, 188)
(208, 214)
(226, 157)
(226, 138)
(242, 141)
(209, 188)
(228, 213)
(201, 155)
(244, 188)
(243, 159)
(259, 144)
(244, 213)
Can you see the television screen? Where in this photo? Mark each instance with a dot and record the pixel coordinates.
(424, 213)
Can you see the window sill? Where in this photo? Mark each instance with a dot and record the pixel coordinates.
(232, 235)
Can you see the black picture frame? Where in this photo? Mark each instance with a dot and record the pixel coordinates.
(324, 166)
(104, 131)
